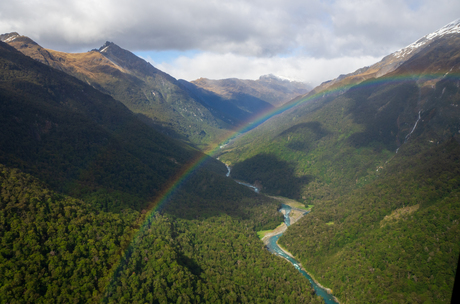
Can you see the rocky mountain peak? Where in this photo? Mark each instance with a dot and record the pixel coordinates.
(8, 37)
(105, 46)
(451, 28)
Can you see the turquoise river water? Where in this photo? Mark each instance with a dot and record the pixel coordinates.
(274, 248)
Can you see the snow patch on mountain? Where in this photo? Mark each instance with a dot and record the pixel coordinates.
(451, 28)
(270, 77)
(9, 37)
(106, 45)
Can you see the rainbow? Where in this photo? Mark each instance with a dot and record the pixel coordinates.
(186, 171)
(315, 96)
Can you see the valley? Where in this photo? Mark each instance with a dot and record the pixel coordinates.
(359, 155)
(122, 184)
(271, 241)
(292, 212)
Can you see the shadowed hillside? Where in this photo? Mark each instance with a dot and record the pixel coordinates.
(382, 164)
(79, 179)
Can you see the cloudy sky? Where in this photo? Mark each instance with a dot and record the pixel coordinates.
(307, 40)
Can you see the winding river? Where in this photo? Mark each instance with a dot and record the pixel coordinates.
(275, 249)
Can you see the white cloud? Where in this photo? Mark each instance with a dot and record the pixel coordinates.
(219, 66)
(255, 28)
(257, 33)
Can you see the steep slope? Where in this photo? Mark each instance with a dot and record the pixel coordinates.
(75, 138)
(378, 114)
(379, 162)
(59, 249)
(237, 111)
(78, 228)
(176, 108)
(388, 63)
(156, 96)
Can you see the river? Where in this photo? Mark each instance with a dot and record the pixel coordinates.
(240, 182)
(275, 249)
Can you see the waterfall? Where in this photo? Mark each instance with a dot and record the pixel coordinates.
(408, 135)
(412, 131)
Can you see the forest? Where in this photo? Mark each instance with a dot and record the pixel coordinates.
(80, 176)
(58, 249)
(379, 162)
(393, 240)
(96, 205)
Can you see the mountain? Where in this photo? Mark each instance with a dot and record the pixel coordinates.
(378, 158)
(77, 139)
(180, 109)
(81, 178)
(269, 88)
(388, 63)
(244, 100)
(157, 97)
(237, 112)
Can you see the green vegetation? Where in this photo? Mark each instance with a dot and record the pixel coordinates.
(305, 208)
(262, 233)
(58, 249)
(79, 173)
(157, 98)
(290, 202)
(82, 142)
(222, 262)
(55, 248)
(265, 171)
(394, 236)
(400, 231)
(78, 176)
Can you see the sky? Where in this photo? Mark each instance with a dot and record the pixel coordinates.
(305, 40)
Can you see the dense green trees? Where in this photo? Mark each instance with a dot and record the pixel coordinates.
(265, 171)
(57, 249)
(77, 227)
(396, 239)
(54, 248)
(216, 260)
(381, 194)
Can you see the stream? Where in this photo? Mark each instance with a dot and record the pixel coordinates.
(275, 249)
(240, 182)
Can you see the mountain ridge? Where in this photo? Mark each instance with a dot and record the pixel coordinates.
(388, 64)
(87, 214)
(175, 107)
(366, 153)
(151, 93)
(270, 88)
(377, 157)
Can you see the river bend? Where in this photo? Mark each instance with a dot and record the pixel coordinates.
(274, 248)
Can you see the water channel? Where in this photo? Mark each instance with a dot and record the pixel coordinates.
(275, 249)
